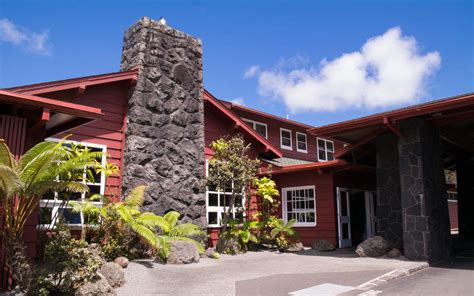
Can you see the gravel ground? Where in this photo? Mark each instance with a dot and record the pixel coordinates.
(277, 273)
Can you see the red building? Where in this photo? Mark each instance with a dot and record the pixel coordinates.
(155, 121)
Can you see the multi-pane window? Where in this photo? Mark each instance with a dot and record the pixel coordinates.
(285, 139)
(56, 204)
(260, 128)
(300, 203)
(325, 150)
(218, 201)
(301, 142)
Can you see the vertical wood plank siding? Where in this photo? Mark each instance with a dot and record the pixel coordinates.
(13, 131)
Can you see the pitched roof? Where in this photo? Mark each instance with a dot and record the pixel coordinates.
(52, 86)
(231, 106)
(427, 108)
(337, 163)
(208, 97)
(286, 161)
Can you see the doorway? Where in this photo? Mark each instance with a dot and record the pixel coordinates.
(355, 215)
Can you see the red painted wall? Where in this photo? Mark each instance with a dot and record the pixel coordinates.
(453, 214)
(112, 99)
(325, 204)
(273, 130)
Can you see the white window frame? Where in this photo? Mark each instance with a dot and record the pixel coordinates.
(254, 127)
(56, 203)
(325, 149)
(281, 139)
(220, 209)
(305, 142)
(285, 205)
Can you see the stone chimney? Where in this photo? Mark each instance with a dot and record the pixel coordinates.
(164, 145)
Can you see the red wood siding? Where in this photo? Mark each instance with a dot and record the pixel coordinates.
(453, 214)
(112, 99)
(273, 131)
(325, 204)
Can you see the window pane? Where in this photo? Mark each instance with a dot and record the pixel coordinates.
(321, 144)
(321, 155)
(330, 156)
(70, 217)
(330, 146)
(213, 199)
(93, 189)
(212, 217)
(249, 123)
(45, 215)
(69, 196)
(285, 134)
(261, 129)
(227, 200)
(301, 146)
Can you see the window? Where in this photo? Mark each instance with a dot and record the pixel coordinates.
(260, 128)
(300, 203)
(215, 201)
(452, 196)
(325, 150)
(285, 139)
(301, 142)
(53, 203)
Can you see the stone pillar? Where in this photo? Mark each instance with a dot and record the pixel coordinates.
(426, 233)
(465, 187)
(164, 145)
(389, 205)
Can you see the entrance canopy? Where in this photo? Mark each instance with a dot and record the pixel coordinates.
(453, 116)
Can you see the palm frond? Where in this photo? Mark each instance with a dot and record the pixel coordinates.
(6, 157)
(145, 233)
(9, 181)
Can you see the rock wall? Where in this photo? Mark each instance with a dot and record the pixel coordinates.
(164, 145)
(389, 205)
(426, 233)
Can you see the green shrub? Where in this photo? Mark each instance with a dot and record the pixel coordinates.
(68, 263)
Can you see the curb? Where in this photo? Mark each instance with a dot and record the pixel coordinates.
(390, 276)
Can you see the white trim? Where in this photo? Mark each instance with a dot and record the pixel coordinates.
(55, 203)
(219, 209)
(291, 139)
(253, 122)
(305, 142)
(325, 148)
(285, 202)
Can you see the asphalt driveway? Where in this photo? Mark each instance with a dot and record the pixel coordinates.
(259, 273)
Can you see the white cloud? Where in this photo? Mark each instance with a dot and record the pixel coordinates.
(32, 41)
(387, 71)
(251, 71)
(238, 101)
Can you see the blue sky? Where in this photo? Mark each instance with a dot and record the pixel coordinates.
(316, 61)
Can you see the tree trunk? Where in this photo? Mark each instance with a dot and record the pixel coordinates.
(15, 253)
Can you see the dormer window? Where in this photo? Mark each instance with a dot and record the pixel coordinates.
(285, 139)
(259, 127)
(301, 142)
(325, 150)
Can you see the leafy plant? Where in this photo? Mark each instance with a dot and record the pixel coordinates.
(69, 263)
(47, 167)
(266, 189)
(231, 169)
(171, 230)
(282, 232)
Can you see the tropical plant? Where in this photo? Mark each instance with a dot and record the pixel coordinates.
(266, 189)
(69, 263)
(171, 231)
(47, 167)
(231, 169)
(244, 232)
(282, 232)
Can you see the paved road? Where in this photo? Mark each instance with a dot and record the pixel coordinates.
(258, 273)
(454, 277)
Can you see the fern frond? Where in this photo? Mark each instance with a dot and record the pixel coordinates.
(186, 229)
(172, 218)
(135, 197)
(153, 220)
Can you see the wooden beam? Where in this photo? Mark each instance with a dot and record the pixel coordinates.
(457, 138)
(45, 116)
(349, 148)
(388, 124)
(453, 118)
(81, 90)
